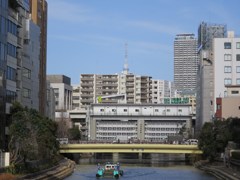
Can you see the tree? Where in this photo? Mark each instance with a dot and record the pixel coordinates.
(32, 137)
(74, 133)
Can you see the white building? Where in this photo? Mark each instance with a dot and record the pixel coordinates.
(137, 121)
(63, 91)
(185, 62)
(226, 61)
(160, 90)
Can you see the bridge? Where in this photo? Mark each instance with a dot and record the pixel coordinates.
(130, 148)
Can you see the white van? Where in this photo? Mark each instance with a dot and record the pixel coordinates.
(191, 142)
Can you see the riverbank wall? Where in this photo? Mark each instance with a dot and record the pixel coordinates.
(218, 169)
(64, 169)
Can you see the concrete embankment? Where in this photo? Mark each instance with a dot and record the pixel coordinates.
(62, 170)
(219, 170)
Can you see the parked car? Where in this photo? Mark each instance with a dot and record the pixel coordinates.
(191, 142)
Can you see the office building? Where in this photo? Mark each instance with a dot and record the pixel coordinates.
(3, 68)
(144, 122)
(62, 90)
(38, 9)
(185, 62)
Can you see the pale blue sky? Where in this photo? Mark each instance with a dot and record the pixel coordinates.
(89, 36)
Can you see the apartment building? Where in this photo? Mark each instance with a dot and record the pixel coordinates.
(76, 97)
(137, 89)
(185, 62)
(162, 89)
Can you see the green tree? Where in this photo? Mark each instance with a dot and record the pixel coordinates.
(32, 137)
(74, 133)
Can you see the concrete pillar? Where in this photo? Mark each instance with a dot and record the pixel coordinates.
(115, 157)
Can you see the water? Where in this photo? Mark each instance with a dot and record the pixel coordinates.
(146, 167)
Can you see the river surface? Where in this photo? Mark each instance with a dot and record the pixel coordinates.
(146, 167)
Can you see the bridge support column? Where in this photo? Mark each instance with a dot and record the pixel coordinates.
(115, 157)
(140, 156)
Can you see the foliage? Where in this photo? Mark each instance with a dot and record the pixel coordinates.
(214, 136)
(74, 133)
(236, 155)
(32, 137)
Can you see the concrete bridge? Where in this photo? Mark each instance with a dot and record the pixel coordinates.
(130, 148)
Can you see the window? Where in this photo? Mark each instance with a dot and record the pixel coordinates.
(227, 57)
(238, 57)
(26, 93)
(11, 50)
(124, 110)
(136, 110)
(238, 69)
(235, 92)
(227, 69)
(156, 110)
(11, 73)
(238, 45)
(10, 96)
(26, 73)
(238, 81)
(227, 81)
(227, 45)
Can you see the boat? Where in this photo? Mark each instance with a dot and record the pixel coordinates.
(110, 169)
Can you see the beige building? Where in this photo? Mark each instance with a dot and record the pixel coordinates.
(136, 88)
(229, 106)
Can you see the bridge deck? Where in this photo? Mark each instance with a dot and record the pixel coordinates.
(130, 148)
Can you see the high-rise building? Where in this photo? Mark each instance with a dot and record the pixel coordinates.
(205, 82)
(185, 62)
(3, 67)
(38, 9)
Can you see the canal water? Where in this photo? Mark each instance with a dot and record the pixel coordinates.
(143, 167)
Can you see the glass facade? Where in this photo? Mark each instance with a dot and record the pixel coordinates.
(3, 57)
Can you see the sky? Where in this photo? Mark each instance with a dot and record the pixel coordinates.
(89, 36)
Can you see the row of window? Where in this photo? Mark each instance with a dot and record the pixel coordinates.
(11, 73)
(3, 21)
(228, 45)
(11, 96)
(117, 128)
(228, 57)
(4, 3)
(137, 110)
(228, 69)
(2, 52)
(11, 50)
(163, 129)
(12, 28)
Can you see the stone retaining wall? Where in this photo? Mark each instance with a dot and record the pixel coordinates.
(62, 170)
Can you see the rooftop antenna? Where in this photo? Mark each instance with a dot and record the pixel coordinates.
(125, 68)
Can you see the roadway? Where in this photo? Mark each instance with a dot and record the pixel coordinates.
(130, 148)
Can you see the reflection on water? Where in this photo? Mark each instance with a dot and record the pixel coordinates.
(140, 167)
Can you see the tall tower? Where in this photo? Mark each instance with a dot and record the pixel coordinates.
(125, 67)
(185, 62)
(38, 9)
